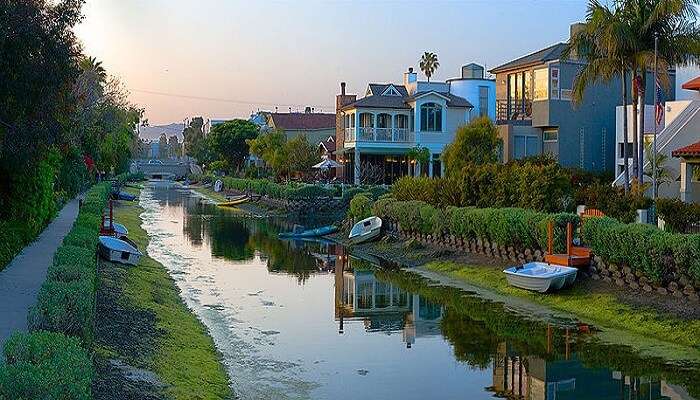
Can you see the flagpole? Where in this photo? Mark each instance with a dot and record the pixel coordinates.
(654, 157)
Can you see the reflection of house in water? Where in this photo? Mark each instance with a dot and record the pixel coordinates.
(383, 307)
(533, 378)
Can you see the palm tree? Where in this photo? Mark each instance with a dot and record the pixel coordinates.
(675, 23)
(604, 43)
(90, 65)
(429, 64)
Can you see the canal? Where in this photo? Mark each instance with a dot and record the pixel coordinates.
(307, 320)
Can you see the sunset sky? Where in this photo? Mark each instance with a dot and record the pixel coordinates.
(225, 58)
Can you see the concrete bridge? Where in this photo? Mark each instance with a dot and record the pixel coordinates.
(165, 169)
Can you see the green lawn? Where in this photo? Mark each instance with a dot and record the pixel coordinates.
(600, 309)
(186, 359)
(218, 197)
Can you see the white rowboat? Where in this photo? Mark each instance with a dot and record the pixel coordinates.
(365, 230)
(540, 277)
(117, 250)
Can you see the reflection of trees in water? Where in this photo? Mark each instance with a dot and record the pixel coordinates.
(473, 342)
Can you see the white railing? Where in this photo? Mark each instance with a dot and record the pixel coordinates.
(385, 135)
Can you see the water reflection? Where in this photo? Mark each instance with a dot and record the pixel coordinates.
(343, 328)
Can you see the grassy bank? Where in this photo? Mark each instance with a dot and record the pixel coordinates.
(182, 354)
(210, 193)
(601, 309)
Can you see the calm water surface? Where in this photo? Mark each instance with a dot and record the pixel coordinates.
(306, 320)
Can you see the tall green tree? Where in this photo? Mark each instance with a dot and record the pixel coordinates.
(429, 64)
(476, 143)
(301, 154)
(270, 147)
(605, 42)
(229, 141)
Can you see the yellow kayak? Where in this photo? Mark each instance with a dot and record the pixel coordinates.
(234, 202)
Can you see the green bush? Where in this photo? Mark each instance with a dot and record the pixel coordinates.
(613, 201)
(360, 207)
(65, 307)
(82, 237)
(679, 216)
(644, 248)
(532, 184)
(72, 263)
(45, 366)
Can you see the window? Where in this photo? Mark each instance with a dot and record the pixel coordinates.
(383, 120)
(366, 120)
(519, 94)
(483, 101)
(550, 135)
(401, 121)
(525, 146)
(554, 84)
(566, 94)
(430, 117)
(541, 84)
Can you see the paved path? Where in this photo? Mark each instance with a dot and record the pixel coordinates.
(21, 279)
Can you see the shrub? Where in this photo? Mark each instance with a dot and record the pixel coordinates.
(613, 201)
(72, 263)
(360, 207)
(45, 365)
(66, 307)
(82, 237)
(679, 216)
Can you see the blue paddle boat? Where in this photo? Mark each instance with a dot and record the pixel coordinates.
(300, 232)
(540, 277)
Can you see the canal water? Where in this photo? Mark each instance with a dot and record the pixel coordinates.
(307, 320)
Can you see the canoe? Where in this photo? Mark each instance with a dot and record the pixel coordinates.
(365, 230)
(123, 196)
(540, 277)
(234, 202)
(310, 233)
(117, 250)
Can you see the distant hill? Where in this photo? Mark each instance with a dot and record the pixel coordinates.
(151, 133)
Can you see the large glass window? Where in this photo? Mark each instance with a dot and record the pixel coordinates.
(401, 121)
(483, 101)
(366, 120)
(541, 83)
(383, 120)
(431, 117)
(519, 94)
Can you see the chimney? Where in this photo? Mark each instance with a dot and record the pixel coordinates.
(410, 80)
(575, 29)
(342, 88)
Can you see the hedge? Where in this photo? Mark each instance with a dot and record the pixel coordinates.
(45, 365)
(360, 207)
(678, 215)
(644, 248)
(52, 362)
(297, 191)
(515, 227)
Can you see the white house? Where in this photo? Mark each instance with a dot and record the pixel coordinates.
(680, 127)
(375, 133)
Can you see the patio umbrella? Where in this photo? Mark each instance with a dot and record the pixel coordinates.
(326, 164)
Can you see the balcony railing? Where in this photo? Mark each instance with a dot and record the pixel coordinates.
(383, 135)
(512, 110)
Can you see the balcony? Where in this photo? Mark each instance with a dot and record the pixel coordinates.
(379, 135)
(512, 110)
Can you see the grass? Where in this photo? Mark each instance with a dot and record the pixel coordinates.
(186, 358)
(601, 309)
(216, 196)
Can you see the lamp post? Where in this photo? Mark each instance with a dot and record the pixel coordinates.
(656, 100)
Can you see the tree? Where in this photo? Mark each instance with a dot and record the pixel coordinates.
(301, 155)
(174, 149)
(675, 24)
(605, 42)
(194, 141)
(429, 64)
(229, 141)
(421, 155)
(663, 172)
(475, 143)
(163, 146)
(270, 147)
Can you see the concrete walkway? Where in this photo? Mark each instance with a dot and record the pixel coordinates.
(21, 279)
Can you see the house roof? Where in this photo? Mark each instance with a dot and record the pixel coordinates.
(692, 150)
(550, 53)
(693, 84)
(328, 145)
(377, 100)
(303, 121)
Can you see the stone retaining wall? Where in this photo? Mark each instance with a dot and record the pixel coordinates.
(623, 276)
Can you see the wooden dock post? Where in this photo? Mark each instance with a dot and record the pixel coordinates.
(550, 237)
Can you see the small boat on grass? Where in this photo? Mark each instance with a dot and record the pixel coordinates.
(119, 229)
(300, 232)
(117, 250)
(540, 277)
(123, 196)
(234, 201)
(365, 230)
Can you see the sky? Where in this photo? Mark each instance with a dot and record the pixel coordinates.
(227, 58)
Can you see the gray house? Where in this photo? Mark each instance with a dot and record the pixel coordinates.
(535, 113)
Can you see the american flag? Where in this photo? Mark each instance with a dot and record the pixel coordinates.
(659, 107)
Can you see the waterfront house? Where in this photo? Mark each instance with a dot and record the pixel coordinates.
(316, 126)
(535, 113)
(375, 133)
(679, 127)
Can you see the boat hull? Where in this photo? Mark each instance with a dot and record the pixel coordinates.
(117, 250)
(310, 233)
(234, 202)
(366, 230)
(541, 277)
